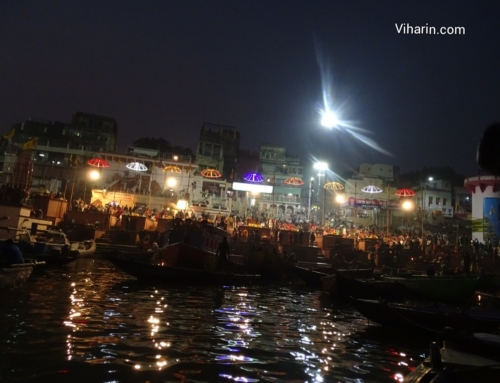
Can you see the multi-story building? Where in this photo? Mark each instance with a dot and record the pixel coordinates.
(94, 133)
(278, 166)
(434, 199)
(218, 146)
(361, 204)
(53, 147)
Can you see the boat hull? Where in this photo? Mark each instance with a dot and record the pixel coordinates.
(311, 277)
(344, 282)
(439, 288)
(83, 249)
(15, 275)
(428, 318)
(158, 271)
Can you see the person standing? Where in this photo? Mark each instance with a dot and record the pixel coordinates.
(312, 238)
(466, 262)
(223, 253)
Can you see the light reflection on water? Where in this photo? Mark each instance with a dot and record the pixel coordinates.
(89, 322)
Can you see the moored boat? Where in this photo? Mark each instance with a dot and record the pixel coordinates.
(15, 274)
(469, 359)
(48, 246)
(163, 270)
(311, 277)
(83, 248)
(439, 288)
(337, 282)
(492, 298)
(428, 317)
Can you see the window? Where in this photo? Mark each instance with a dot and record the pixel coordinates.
(430, 201)
(444, 201)
(438, 201)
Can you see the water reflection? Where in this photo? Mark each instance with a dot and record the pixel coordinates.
(90, 322)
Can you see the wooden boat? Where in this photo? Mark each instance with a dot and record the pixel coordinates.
(49, 246)
(83, 249)
(15, 274)
(54, 240)
(343, 286)
(163, 270)
(470, 359)
(23, 239)
(339, 283)
(438, 288)
(428, 318)
(311, 277)
(492, 298)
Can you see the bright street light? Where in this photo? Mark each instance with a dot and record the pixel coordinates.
(171, 182)
(407, 205)
(320, 166)
(182, 204)
(329, 119)
(339, 198)
(94, 175)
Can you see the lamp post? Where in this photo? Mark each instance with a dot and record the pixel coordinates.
(93, 175)
(311, 184)
(321, 167)
(407, 205)
(423, 204)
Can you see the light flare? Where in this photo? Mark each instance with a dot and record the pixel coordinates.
(330, 110)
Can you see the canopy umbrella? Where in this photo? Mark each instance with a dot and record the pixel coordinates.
(333, 186)
(404, 193)
(98, 162)
(137, 166)
(371, 189)
(171, 169)
(294, 181)
(211, 173)
(253, 177)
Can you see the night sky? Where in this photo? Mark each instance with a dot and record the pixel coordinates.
(162, 68)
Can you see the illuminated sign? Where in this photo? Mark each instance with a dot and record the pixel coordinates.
(252, 187)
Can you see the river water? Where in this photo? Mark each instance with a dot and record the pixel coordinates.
(89, 322)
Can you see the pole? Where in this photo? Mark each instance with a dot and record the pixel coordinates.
(72, 190)
(273, 206)
(388, 207)
(310, 193)
(324, 203)
(423, 213)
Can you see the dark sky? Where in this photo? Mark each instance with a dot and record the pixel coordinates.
(163, 67)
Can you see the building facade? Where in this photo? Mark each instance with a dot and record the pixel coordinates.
(485, 208)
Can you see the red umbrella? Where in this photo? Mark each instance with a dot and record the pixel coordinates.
(98, 163)
(404, 193)
(211, 173)
(294, 181)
